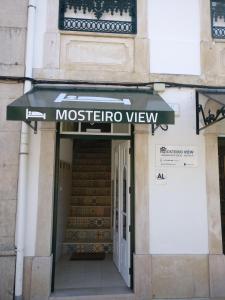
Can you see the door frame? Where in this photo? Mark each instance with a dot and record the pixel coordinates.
(56, 192)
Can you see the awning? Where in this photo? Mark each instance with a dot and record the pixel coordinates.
(102, 105)
(210, 108)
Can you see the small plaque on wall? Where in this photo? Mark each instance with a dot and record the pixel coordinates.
(176, 156)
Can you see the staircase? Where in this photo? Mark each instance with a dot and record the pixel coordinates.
(89, 220)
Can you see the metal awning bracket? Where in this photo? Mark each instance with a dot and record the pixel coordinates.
(34, 127)
(210, 118)
(164, 127)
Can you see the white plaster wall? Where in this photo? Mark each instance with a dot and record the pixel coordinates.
(40, 29)
(174, 33)
(178, 209)
(32, 192)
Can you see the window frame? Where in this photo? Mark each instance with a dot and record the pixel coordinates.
(97, 25)
(213, 27)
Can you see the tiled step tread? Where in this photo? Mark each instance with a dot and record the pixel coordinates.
(77, 188)
(70, 238)
(91, 201)
(91, 161)
(91, 168)
(91, 183)
(89, 206)
(88, 243)
(91, 150)
(70, 248)
(86, 148)
(87, 235)
(91, 155)
(100, 211)
(92, 175)
(86, 143)
(95, 191)
(88, 223)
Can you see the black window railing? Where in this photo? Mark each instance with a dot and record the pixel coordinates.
(110, 16)
(218, 18)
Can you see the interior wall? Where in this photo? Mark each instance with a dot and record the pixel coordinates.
(64, 196)
(66, 150)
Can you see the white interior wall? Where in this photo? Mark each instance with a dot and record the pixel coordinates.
(66, 150)
(174, 33)
(178, 209)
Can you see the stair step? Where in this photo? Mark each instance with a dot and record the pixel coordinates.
(92, 168)
(91, 161)
(91, 150)
(88, 235)
(92, 175)
(94, 143)
(90, 211)
(90, 200)
(91, 191)
(88, 222)
(88, 155)
(69, 248)
(91, 183)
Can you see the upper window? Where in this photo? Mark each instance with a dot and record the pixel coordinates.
(110, 16)
(218, 18)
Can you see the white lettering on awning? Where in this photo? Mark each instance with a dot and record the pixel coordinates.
(61, 116)
(151, 117)
(106, 116)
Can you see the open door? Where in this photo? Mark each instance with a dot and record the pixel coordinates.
(116, 238)
(121, 209)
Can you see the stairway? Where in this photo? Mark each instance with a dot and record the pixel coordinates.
(89, 220)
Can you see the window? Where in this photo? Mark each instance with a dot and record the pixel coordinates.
(111, 16)
(119, 129)
(218, 18)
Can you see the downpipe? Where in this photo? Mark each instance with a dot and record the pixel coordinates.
(23, 159)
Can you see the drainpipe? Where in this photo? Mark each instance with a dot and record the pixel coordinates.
(23, 159)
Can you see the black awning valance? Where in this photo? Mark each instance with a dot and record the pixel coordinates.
(103, 105)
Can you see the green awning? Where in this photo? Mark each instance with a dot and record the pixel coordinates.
(97, 105)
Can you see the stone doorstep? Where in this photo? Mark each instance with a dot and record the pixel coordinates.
(129, 296)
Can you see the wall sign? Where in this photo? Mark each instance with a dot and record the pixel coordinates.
(160, 177)
(176, 156)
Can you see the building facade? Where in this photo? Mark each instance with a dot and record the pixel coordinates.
(170, 226)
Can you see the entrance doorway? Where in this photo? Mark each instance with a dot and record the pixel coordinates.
(93, 232)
